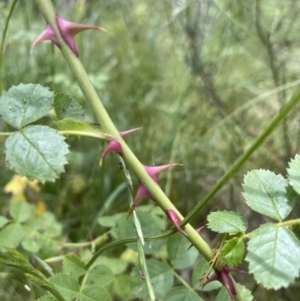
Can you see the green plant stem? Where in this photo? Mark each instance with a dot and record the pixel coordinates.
(5, 134)
(291, 222)
(108, 126)
(3, 40)
(139, 233)
(287, 108)
(94, 242)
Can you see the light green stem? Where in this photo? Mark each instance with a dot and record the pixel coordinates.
(291, 222)
(139, 234)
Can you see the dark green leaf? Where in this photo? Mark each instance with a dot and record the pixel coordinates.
(268, 194)
(24, 104)
(66, 107)
(67, 285)
(94, 293)
(37, 152)
(227, 222)
(233, 251)
(273, 256)
(21, 211)
(180, 256)
(181, 294)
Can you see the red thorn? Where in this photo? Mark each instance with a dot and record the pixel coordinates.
(142, 191)
(67, 30)
(175, 220)
(114, 145)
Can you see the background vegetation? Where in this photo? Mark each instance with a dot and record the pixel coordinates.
(202, 78)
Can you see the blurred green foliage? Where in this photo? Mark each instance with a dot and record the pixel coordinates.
(202, 78)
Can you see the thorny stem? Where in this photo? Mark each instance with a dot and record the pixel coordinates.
(108, 126)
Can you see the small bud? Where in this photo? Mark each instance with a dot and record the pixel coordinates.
(67, 30)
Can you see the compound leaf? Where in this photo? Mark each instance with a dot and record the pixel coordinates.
(273, 256)
(227, 222)
(38, 152)
(24, 104)
(12, 235)
(67, 285)
(66, 107)
(21, 211)
(73, 266)
(268, 194)
(294, 173)
(94, 293)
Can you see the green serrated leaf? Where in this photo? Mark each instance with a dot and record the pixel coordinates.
(100, 275)
(74, 127)
(227, 222)
(233, 251)
(3, 221)
(201, 267)
(177, 246)
(66, 107)
(73, 266)
(67, 285)
(268, 194)
(12, 235)
(37, 152)
(273, 256)
(21, 211)
(181, 294)
(294, 173)
(224, 296)
(161, 278)
(94, 293)
(24, 104)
